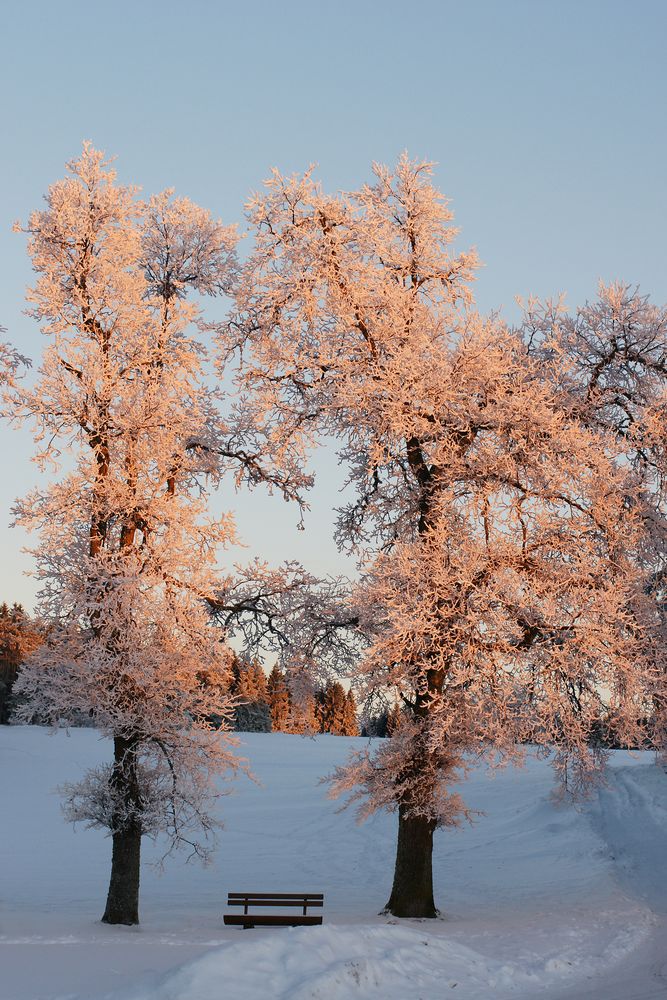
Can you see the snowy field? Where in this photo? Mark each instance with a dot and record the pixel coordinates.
(537, 900)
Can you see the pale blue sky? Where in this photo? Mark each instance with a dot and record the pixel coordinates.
(546, 118)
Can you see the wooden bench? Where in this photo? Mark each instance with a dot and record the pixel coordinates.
(267, 899)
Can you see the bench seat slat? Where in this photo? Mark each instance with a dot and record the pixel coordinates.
(268, 920)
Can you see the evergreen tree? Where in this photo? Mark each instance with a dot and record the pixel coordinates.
(279, 699)
(252, 713)
(259, 682)
(302, 717)
(350, 713)
(19, 636)
(250, 681)
(235, 675)
(334, 713)
(393, 719)
(253, 717)
(374, 725)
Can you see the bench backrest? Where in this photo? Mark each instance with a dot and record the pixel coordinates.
(275, 899)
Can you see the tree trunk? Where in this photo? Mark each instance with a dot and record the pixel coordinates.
(123, 897)
(412, 891)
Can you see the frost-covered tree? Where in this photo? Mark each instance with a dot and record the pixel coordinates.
(127, 553)
(10, 362)
(499, 533)
(614, 353)
(305, 621)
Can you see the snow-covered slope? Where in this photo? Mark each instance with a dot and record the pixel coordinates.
(537, 899)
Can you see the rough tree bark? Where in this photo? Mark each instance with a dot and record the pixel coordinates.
(123, 897)
(412, 890)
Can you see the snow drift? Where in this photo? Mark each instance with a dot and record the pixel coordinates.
(536, 898)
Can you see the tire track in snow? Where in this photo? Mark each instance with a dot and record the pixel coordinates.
(630, 816)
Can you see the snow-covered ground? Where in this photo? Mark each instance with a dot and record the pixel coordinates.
(537, 900)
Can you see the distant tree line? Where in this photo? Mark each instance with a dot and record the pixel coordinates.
(263, 704)
(268, 704)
